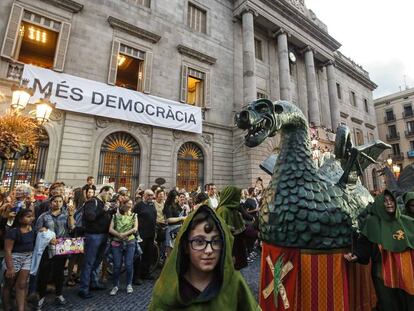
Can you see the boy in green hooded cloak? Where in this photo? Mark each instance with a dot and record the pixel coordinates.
(387, 239)
(409, 204)
(199, 273)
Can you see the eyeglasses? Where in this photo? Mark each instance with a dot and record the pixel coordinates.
(201, 244)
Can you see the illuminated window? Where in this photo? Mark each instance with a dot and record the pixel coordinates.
(195, 88)
(34, 39)
(119, 161)
(190, 167)
(130, 68)
(23, 171)
(196, 18)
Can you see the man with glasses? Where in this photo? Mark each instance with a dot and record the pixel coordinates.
(97, 217)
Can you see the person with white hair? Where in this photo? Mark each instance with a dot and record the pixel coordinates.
(147, 218)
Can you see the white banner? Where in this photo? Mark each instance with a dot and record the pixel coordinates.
(86, 96)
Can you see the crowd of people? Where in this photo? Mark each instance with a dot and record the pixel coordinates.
(204, 238)
(117, 228)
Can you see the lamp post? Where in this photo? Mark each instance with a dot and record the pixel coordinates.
(12, 139)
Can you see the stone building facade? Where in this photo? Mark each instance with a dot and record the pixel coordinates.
(396, 125)
(215, 54)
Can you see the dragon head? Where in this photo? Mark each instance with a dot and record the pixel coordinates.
(263, 119)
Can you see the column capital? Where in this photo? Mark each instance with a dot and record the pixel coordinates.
(307, 48)
(281, 31)
(329, 62)
(240, 11)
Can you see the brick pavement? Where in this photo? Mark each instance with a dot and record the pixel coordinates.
(139, 300)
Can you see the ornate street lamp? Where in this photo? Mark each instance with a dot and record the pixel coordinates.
(396, 170)
(389, 162)
(21, 95)
(44, 108)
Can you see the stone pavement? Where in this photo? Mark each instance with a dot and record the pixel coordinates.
(139, 300)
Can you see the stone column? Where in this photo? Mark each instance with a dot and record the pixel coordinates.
(333, 98)
(249, 58)
(312, 88)
(284, 71)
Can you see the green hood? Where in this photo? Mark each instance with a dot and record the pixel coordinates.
(228, 209)
(234, 294)
(394, 232)
(407, 198)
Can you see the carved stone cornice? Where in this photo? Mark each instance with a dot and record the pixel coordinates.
(344, 115)
(353, 73)
(370, 126)
(356, 120)
(290, 13)
(67, 5)
(101, 122)
(196, 54)
(133, 30)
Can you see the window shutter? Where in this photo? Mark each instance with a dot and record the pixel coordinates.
(148, 71)
(12, 31)
(113, 63)
(62, 47)
(183, 91)
(207, 91)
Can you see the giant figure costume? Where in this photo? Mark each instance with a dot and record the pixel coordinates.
(309, 215)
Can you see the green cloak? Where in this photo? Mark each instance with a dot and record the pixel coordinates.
(233, 294)
(228, 209)
(394, 232)
(407, 198)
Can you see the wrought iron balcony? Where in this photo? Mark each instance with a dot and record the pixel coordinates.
(396, 157)
(407, 114)
(393, 136)
(409, 133)
(389, 118)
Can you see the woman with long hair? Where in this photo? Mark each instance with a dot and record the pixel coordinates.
(174, 216)
(18, 247)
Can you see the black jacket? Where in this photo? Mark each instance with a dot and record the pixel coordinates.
(147, 217)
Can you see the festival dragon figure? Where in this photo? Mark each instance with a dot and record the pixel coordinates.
(309, 214)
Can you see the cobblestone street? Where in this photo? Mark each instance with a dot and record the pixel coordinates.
(139, 300)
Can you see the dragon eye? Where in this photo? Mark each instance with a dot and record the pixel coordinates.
(278, 109)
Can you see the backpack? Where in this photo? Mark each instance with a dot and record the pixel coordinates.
(79, 220)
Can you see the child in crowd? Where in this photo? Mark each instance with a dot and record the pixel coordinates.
(123, 227)
(18, 247)
(199, 273)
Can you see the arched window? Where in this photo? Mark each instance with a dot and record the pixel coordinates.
(190, 167)
(375, 179)
(23, 171)
(119, 161)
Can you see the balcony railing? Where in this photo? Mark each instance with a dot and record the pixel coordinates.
(15, 71)
(396, 157)
(407, 114)
(393, 136)
(409, 133)
(389, 118)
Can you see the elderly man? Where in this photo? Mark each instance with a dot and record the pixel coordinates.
(147, 217)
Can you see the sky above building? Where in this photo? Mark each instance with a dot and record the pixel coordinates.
(375, 34)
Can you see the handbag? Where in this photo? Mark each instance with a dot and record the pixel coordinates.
(69, 246)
